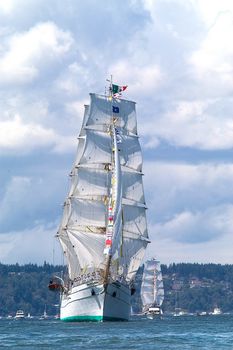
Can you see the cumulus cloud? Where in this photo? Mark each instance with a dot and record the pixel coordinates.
(176, 188)
(190, 104)
(176, 59)
(141, 78)
(192, 124)
(197, 227)
(29, 52)
(20, 137)
(216, 50)
(17, 208)
(6, 6)
(27, 202)
(35, 245)
(168, 250)
(23, 138)
(190, 210)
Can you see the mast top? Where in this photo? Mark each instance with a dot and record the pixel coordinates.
(114, 90)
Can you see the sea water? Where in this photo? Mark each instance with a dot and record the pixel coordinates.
(184, 332)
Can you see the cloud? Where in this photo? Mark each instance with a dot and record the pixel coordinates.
(175, 188)
(20, 138)
(177, 61)
(210, 10)
(198, 227)
(168, 251)
(28, 53)
(16, 205)
(183, 108)
(189, 210)
(142, 79)
(27, 202)
(216, 50)
(6, 6)
(34, 245)
(196, 124)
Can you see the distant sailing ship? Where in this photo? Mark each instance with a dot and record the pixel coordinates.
(103, 231)
(45, 315)
(152, 290)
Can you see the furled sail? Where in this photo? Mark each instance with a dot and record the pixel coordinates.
(107, 172)
(152, 291)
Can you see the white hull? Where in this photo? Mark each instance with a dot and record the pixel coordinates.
(151, 316)
(153, 312)
(93, 302)
(19, 315)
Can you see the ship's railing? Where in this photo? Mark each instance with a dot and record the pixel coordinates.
(87, 278)
(95, 276)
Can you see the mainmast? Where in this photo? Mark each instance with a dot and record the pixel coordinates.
(114, 208)
(114, 200)
(154, 283)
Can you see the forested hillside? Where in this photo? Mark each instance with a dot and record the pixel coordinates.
(191, 287)
(198, 287)
(25, 287)
(195, 287)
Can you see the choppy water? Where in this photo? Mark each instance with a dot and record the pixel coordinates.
(170, 333)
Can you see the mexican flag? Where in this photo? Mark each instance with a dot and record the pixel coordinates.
(116, 89)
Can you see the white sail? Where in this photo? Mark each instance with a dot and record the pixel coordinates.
(130, 152)
(152, 291)
(88, 247)
(97, 149)
(87, 212)
(86, 113)
(91, 181)
(132, 188)
(106, 196)
(74, 268)
(101, 113)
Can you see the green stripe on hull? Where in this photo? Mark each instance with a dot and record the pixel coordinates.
(91, 319)
(82, 318)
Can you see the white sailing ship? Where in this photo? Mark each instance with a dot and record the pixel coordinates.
(103, 232)
(152, 290)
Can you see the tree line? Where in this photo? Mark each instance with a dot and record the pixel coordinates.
(25, 287)
(191, 287)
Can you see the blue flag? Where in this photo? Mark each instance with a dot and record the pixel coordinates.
(115, 109)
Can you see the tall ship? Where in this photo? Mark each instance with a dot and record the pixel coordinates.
(103, 231)
(152, 290)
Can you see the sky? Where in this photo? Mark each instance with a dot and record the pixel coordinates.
(176, 56)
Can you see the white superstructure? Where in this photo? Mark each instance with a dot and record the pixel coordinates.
(19, 315)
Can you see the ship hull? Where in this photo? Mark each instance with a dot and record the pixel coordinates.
(94, 302)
